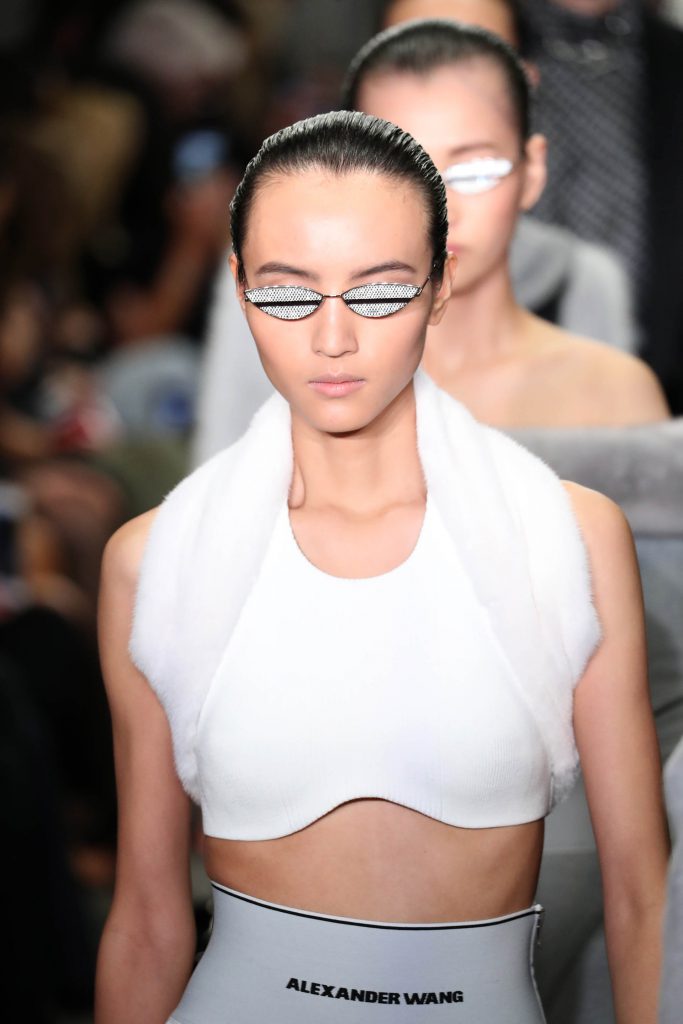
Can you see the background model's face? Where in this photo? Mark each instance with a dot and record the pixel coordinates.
(494, 15)
(459, 113)
(336, 232)
(589, 8)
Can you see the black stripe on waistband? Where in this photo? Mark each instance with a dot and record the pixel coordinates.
(532, 911)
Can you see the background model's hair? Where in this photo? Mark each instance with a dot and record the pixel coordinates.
(344, 142)
(420, 47)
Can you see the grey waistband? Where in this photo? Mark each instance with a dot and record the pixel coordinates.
(270, 963)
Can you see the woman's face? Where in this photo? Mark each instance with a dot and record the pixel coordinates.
(331, 233)
(460, 113)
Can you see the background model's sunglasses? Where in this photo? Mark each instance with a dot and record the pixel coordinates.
(471, 177)
(293, 302)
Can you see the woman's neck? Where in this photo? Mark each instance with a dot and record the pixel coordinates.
(480, 327)
(360, 473)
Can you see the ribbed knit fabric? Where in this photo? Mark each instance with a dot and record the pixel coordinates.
(392, 686)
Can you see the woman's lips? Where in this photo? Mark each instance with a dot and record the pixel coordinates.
(336, 387)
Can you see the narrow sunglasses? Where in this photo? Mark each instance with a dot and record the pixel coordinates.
(294, 302)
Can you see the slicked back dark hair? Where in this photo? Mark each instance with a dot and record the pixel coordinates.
(344, 142)
(422, 46)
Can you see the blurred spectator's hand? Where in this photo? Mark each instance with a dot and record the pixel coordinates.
(21, 336)
(131, 314)
(78, 330)
(199, 211)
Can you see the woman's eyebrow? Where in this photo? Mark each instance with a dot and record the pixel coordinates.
(470, 147)
(275, 267)
(381, 268)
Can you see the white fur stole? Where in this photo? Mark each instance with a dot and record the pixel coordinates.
(507, 513)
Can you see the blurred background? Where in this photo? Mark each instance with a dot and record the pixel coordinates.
(124, 128)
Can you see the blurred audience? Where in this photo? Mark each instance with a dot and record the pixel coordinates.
(52, 414)
(610, 101)
(155, 259)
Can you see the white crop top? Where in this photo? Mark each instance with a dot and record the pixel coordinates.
(392, 686)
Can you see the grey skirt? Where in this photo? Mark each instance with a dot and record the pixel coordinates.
(280, 965)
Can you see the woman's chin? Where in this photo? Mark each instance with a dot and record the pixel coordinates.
(341, 421)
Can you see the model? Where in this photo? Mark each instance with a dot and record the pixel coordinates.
(368, 640)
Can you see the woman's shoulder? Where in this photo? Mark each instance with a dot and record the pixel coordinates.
(125, 549)
(621, 388)
(539, 494)
(163, 527)
(591, 507)
(604, 527)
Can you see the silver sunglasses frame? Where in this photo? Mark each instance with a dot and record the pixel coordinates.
(338, 295)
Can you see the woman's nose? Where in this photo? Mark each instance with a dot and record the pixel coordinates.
(334, 328)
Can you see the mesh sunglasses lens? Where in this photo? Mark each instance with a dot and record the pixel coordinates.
(377, 300)
(286, 302)
(475, 176)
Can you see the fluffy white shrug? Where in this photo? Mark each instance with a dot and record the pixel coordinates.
(507, 512)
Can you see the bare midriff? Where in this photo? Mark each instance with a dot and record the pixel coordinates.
(380, 861)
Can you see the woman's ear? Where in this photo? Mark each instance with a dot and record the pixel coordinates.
(535, 170)
(239, 284)
(444, 290)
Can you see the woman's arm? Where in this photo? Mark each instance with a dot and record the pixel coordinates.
(621, 766)
(148, 943)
